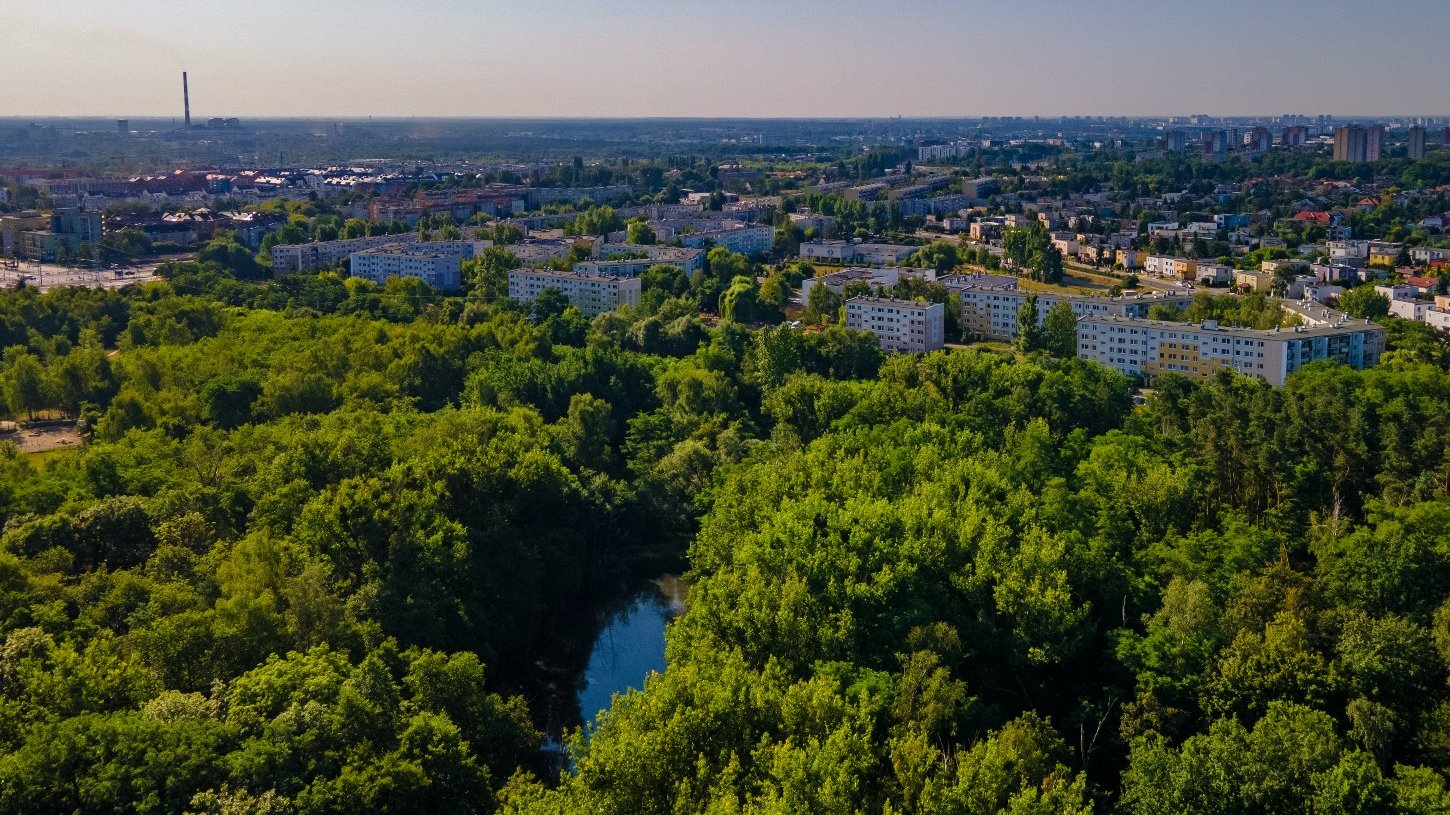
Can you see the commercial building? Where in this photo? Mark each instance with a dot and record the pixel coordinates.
(1150, 347)
(899, 325)
(301, 257)
(1358, 144)
(437, 263)
(591, 294)
(66, 233)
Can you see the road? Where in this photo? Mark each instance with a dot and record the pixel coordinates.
(46, 276)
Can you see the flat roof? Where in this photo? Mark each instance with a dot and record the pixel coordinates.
(887, 301)
(571, 275)
(1347, 327)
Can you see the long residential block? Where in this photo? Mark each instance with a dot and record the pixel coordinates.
(1151, 347)
(591, 294)
(437, 263)
(301, 257)
(989, 307)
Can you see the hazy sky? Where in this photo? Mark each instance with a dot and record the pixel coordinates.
(724, 58)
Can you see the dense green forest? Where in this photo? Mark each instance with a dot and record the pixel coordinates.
(324, 537)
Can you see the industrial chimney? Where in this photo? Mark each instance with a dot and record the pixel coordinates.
(186, 99)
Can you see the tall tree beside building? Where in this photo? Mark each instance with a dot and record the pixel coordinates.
(1061, 331)
(1030, 336)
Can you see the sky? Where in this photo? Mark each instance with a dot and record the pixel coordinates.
(746, 58)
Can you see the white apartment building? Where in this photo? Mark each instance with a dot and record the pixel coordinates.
(690, 260)
(747, 239)
(1149, 347)
(869, 254)
(591, 294)
(874, 277)
(989, 308)
(1425, 254)
(301, 257)
(436, 263)
(899, 325)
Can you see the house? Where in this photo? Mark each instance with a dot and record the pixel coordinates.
(1384, 254)
(1425, 255)
(1170, 267)
(1260, 281)
(1214, 273)
(1322, 292)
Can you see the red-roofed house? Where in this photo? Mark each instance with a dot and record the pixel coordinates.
(1423, 285)
(1310, 215)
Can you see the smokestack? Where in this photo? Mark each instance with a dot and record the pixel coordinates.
(186, 99)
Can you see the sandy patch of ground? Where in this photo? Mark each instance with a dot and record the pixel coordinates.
(41, 439)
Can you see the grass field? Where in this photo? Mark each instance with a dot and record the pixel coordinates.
(40, 461)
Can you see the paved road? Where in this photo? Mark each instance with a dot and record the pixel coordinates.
(48, 276)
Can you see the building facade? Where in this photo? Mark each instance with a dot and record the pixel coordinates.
(989, 309)
(437, 263)
(746, 239)
(899, 325)
(302, 257)
(1149, 348)
(591, 294)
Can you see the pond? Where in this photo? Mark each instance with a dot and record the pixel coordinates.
(630, 646)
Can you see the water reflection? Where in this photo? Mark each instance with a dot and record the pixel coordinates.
(630, 646)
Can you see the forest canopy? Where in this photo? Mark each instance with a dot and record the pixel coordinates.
(322, 536)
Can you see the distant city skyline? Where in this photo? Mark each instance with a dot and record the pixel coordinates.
(690, 58)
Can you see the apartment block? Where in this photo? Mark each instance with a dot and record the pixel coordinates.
(989, 309)
(437, 263)
(690, 260)
(1358, 144)
(302, 257)
(870, 254)
(1148, 348)
(591, 294)
(747, 239)
(1415, 143)
(64, 233)
(899, 325)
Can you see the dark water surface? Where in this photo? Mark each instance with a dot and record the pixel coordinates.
(630, 646)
